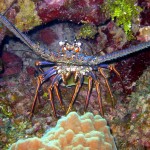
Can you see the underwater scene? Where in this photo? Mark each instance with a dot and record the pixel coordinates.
(74, 75)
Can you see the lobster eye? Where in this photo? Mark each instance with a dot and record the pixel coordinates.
(61, 43)
(76, 49)
(79, 44)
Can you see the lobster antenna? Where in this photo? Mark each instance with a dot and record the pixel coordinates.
(13, 29)
(36, 47)
(118, 54)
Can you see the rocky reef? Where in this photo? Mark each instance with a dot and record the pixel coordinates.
(140, 116)
(101, 31)
(134, 126)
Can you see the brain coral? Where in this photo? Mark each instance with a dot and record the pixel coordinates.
(73, 132)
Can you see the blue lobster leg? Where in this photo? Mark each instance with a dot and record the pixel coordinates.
(77, 88)
(49, 73)
(39, 65)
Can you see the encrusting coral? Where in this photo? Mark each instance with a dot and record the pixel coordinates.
(27, 17)
(73, 132)
(87, 31)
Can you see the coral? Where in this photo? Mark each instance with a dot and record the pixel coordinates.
(124, 12)
(27, 17)
(87, 31)
(72, 10)
(72, 132)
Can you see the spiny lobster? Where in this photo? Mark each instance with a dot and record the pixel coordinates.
(70, 60)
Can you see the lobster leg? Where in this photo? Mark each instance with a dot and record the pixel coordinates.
(54, 85)
(99, 97)
(91, 77)
(40, 79)
(51, 100)
(78, 86)
(38, 65)
(39, 83)
(89, 92)
(59, 98)
(107, 84)
(112, 68)
(98, 91)
(50, 72)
